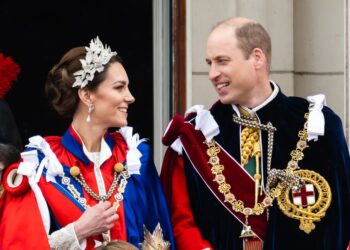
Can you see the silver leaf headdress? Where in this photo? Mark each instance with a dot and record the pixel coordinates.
(97, 56)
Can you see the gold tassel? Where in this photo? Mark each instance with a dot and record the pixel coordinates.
(253, 244)
(257, 176)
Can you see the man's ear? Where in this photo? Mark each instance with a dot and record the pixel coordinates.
(85, 96)
(259, 58)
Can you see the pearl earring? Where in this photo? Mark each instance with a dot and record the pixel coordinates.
(90, 109)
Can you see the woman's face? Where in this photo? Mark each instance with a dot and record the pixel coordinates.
(112, 98)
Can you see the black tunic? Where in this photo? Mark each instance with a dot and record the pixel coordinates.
(329, 156)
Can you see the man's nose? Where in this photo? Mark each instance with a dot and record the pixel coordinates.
(213, 72)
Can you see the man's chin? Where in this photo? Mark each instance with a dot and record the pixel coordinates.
(224, 100)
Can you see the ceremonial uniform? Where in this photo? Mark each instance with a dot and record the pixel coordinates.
(40, 205)
(202, 216)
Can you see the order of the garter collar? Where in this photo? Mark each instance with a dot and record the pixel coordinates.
(97, 56)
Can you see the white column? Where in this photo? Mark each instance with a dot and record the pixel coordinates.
(256, 9)
(347, 70)
(161, 75)
(319, 51)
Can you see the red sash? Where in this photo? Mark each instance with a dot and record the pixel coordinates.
(242, 184)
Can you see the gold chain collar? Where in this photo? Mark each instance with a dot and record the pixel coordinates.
(120, 174)
(278, 181)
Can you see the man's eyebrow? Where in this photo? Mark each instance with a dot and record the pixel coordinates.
(220, 57)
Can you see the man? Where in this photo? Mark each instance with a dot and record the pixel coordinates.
(260, 170)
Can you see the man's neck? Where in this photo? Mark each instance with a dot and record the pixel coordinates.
(267, 98)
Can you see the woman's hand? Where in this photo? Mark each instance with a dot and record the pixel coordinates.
(95, 220)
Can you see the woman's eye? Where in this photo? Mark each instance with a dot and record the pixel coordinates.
(119, 87)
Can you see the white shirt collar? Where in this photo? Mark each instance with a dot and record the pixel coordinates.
(263, 104)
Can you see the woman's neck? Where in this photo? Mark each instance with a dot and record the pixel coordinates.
(90, 134)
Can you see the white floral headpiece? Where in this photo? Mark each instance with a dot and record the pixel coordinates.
(97, 56)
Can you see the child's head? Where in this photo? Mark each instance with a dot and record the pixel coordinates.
(8, 155)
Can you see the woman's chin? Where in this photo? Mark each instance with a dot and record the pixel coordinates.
(120, 124)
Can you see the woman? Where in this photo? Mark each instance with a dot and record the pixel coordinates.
(89, 188)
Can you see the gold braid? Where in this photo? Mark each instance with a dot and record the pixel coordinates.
(249, 137)
(250, 141)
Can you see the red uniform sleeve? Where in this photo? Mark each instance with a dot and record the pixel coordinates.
(186, 232)
(21, 226)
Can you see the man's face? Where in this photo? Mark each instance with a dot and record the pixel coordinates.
(233, 76)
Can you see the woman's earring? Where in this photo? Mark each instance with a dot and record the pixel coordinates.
(90, 109)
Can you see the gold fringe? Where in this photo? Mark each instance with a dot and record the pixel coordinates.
(253, 244)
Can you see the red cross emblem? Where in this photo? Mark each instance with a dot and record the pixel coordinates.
(304, 196)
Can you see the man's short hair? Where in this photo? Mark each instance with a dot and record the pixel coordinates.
(253, 35)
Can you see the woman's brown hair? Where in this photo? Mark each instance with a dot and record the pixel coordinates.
(63, 97)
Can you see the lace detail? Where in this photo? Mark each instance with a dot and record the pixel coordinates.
(65, 238)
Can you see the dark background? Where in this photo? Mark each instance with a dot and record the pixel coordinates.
(37, 35)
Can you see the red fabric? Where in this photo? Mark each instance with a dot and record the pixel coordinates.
(56, 200)
(21, 188)
(192, 141)
(21, 225)
(22, 220)
(186, 232)
(8, 73)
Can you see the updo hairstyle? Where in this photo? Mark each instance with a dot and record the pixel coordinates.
(63, 97)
